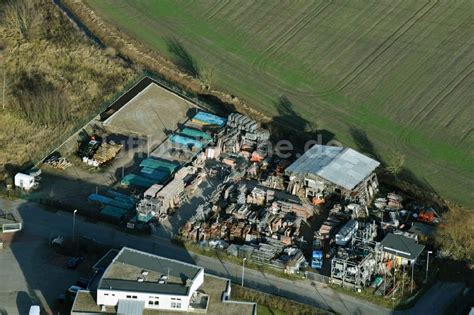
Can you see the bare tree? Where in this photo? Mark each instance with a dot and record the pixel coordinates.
(207, 77)
(396, 163)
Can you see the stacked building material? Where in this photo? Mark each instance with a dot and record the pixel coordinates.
(114, 214)
(197, 134)
(115, 202)
(171, 195)
(121, 196)
(207, 119)
(156, 175)
(394, 201)
(241, 122)
(137, 181)
(187, 142)
(106, 152)
(153, 191)
(58, 162)
(161, 165)
(301, 210)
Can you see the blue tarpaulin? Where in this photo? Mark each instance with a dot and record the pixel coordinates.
(204, 118)
(185, 141)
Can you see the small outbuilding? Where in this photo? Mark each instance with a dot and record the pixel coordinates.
(24, 181)
(401, 249)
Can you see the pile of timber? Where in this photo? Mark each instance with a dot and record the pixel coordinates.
(58, 162)
(106, 152)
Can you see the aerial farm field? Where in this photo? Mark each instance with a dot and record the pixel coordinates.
(390, 77)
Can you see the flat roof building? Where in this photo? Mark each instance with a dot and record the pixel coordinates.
(153, 281)
(138, 283)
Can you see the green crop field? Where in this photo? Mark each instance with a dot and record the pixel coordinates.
(399, 73)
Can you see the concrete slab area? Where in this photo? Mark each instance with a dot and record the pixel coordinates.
(151, 114)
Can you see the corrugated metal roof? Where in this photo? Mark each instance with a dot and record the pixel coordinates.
(130, 307)
(344, 167)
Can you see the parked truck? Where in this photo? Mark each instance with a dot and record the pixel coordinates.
(317, 259)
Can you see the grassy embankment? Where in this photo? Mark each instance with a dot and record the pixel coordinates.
(271, 304)
(55, 80)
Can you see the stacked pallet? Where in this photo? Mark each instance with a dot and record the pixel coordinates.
(106, 152)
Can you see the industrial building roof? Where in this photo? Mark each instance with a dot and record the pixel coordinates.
(344, 167)
(401, 246)
(131, 265)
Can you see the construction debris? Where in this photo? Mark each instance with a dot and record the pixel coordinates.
(58, 162)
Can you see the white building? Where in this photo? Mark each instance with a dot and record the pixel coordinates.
(136, 279)
(24, 181)
(132, 282)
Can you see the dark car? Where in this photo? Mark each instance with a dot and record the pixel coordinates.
(73, 262)
(82, 282)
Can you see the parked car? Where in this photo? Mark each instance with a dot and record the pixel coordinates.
(74, 289)
(74, 262)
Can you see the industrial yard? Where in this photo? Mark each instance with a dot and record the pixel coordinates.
(220, 183)
(302, 184)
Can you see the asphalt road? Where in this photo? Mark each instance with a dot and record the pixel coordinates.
(39, 223)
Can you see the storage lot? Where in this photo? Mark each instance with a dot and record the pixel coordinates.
(140, 125)
(150, 114)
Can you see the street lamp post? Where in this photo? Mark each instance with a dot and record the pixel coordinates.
(74, 225)
(243, 271)
(427, 265)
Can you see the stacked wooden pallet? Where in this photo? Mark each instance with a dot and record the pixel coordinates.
(106, 152)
